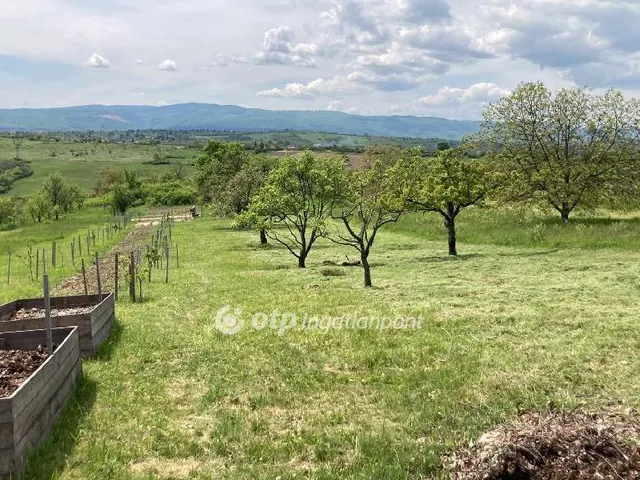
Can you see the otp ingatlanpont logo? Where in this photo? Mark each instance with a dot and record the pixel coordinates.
(229, 321)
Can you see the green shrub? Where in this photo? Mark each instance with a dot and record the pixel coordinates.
(169, 193)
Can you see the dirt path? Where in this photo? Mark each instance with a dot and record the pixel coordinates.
(150, 220)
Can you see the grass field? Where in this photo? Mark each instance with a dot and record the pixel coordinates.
(80, 163)
(532, 314)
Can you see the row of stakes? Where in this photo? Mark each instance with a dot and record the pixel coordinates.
(161, 241)
(38, 256)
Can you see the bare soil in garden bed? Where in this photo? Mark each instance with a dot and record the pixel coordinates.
(28, 313)
(16, 366)
(139, 236)
(555, 446)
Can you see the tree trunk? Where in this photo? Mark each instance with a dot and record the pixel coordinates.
(367, 270)
(263, 237)
(302, 259)
(564, 213)
(450, 223)
(451, 231)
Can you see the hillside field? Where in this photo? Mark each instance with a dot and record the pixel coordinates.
(80, 163)
(532, 313)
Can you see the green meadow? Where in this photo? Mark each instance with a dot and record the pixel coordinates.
(529, 313)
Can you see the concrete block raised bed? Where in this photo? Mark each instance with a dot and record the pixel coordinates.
(28, 415)
(94, 323)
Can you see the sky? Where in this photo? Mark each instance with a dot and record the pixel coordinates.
(445, 58)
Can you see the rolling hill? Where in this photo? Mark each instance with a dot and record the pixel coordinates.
(224, 117)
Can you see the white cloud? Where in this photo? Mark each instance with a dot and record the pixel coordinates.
(479, 92)
(400, 58)
(589, 41)
(422, 11)
(278, 48)
(168, 66)
(220, 60)
(139, 61)
(390, 82)
(318, 87)
(98, 61)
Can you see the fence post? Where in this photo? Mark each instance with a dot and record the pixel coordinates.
(166, 266)
(149, 263)
(98, 277)
(117, 281)
(9, 269)
(47, 313)
(132, 277)
(84, 278)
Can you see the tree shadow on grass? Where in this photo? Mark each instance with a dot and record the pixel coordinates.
(227, 228)
(50, 460)
(449, 258)
(400, 246)
(529, 254)
(592, 221)
(105, 352)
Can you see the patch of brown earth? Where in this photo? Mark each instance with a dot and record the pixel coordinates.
(555, 446)
(29, 313)
(16, 366)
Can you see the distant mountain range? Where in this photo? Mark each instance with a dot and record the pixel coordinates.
(189, 116)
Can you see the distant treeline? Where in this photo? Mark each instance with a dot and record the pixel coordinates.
(261, 141)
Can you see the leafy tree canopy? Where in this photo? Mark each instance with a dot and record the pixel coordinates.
(567, 148)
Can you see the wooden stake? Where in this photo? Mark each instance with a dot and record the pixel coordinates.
(9, 269)
(37, 263)
(98, 276)
(132, 277)
(47, 313)
(149, 263)
(117, 281)
(166, 264)
(44, 262)
(84, 278)
(177, 257)
(53, 254)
